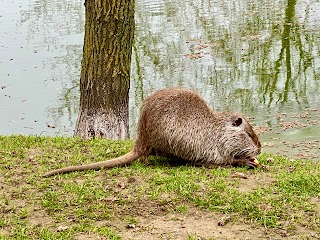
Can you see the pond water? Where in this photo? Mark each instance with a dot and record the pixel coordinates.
(260, 58)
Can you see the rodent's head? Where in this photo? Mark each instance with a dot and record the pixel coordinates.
(240, 140)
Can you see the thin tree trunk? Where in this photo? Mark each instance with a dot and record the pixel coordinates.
(105, 73)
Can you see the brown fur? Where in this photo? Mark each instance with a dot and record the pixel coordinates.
(178, 122)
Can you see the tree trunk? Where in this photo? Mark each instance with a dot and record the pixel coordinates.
(105, 73)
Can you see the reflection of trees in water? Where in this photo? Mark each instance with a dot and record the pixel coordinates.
(258, 52)
(67, 73)
(250, 52)
(56, 29)
(294, 62)
(48, 20)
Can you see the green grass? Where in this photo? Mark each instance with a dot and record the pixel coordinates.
(97, 204)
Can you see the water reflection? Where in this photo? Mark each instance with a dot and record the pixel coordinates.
(259, 58)
(249, 47)
(41, 47)
(256, 57)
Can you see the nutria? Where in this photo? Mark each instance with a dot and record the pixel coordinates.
(177, 122)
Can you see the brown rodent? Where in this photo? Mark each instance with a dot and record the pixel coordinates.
(178, 122)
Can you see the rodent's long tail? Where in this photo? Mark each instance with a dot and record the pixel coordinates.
(119, 161)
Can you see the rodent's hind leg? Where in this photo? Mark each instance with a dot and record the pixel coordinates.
(144, 160)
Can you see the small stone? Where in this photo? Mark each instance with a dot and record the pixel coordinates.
(270, 160)
(265, 167)
(62, 228)
(223, 220)
(131, 226)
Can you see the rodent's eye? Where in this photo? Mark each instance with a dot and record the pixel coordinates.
(237, 122)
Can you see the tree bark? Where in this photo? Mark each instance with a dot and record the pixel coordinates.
(105, 73)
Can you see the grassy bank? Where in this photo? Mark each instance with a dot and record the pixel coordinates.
(159, 201)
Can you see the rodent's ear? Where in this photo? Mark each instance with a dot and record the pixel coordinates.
(237, 122)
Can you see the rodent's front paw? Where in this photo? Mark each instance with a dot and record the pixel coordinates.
(252, 162)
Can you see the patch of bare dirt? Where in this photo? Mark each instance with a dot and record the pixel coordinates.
(316, 202)
(39, 217)
(91, 236)
(254, 181)
(199, 224)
